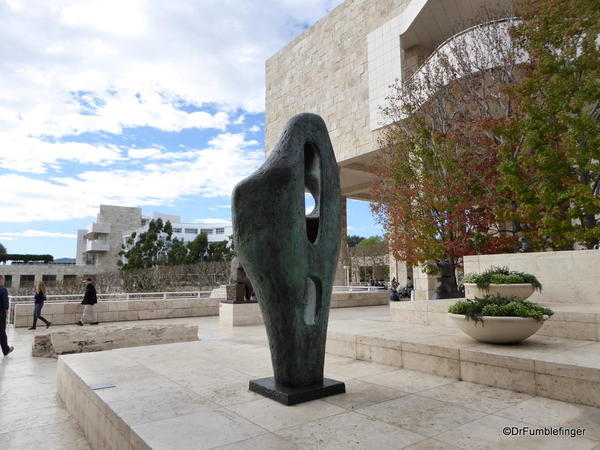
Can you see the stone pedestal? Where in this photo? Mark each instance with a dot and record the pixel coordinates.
(294, 395)
(239, 314)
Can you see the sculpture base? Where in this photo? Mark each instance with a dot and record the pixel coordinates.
(292, 396)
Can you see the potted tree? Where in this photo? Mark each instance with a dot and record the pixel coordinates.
(501, 281)
(498, 319)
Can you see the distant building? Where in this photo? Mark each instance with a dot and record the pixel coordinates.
(100, 244)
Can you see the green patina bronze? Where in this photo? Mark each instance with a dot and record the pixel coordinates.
(290, 257)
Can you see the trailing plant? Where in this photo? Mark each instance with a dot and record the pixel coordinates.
(499, 306)
(501, 275)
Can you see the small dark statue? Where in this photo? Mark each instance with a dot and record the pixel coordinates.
(239, 289)
(290, 256)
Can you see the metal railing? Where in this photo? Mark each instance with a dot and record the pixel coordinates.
(358, 288)
(117, 296)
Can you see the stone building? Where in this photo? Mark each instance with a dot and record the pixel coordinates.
(341, 68)
(100, 244)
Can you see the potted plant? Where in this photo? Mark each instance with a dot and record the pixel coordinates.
(498, 319)
(502, 281)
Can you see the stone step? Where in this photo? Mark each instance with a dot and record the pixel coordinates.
(95, 338)
(552, 367)
(570, 320)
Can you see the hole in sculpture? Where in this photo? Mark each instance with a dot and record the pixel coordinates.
(312, 300)
(312, 183)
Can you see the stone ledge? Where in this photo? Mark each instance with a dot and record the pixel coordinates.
(570, 321)
(98, 338)
(557, 368)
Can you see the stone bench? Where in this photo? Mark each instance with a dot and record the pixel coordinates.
(99, 338)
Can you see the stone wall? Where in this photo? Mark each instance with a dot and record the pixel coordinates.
(354, 299)
(324, 71)
(117, 311)
(566, 276)
(39, 270)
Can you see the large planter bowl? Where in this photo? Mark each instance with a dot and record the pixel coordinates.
(520, 290)
(497, 330)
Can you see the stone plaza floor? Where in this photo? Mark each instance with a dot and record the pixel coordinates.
(195, 395)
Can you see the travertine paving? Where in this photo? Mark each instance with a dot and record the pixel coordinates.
(194, 395)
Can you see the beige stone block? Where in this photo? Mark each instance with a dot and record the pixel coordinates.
(382, 355)
(101, 307)
(501, 377)
(572, 390)
(127, 315)
(431, 349)
(376, 341)
(111, 316)
(202, 311)
(118, 306)
(53, 308)
(73, 308)
(20, 321)
(341, 348)
(476, 355)
(443, 367)
(146, 314)
(570, 330)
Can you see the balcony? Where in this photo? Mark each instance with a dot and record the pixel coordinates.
(94, 229)
(97, 246)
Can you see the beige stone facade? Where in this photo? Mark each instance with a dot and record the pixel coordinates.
(324, 71)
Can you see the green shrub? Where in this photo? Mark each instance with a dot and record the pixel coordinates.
(498, 306)
(501, 275)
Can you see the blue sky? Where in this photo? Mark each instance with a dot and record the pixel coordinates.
(158, 105)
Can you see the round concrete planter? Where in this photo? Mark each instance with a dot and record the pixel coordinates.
(497, 330)
(520, 290)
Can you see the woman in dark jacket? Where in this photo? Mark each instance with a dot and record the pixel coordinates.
(40, 298)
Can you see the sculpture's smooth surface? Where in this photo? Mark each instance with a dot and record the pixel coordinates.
(290, 256)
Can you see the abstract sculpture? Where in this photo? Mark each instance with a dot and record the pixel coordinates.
(290, 256)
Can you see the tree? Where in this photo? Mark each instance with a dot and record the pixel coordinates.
(437, 174)
(197, 248)
(219, 251)
(354, 240)
(551, 151)
(148, 249)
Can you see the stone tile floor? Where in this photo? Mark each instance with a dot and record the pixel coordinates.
(383, 408)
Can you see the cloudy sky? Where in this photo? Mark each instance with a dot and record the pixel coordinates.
(148, 103)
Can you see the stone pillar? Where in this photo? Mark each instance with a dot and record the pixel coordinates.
(342, 275)
(424, 284)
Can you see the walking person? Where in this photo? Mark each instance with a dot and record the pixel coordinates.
(40, 298)
(89, 300)
(4, 307)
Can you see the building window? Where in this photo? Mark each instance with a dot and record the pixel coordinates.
(27, 280)
(7, 281)
(207, 230)
(176, 230)
(70, 279)
(49, 280)
(191, 230)
(220, 230)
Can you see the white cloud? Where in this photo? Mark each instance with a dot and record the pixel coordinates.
(28, 154)
(209, 172)
(36, 233)
(214, 208)
(101, 65)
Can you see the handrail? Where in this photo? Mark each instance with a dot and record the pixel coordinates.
(456, 36)
(117, 296)
(358, 288)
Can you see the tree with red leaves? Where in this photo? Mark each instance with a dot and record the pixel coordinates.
(437, 172)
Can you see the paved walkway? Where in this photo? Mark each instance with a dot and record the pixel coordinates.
(384, 407)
